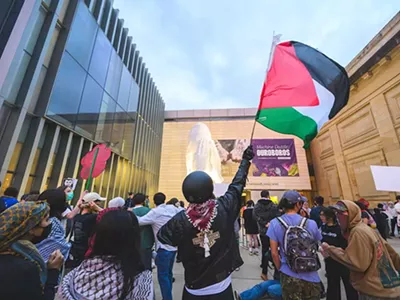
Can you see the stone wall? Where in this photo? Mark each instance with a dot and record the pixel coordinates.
(365, 133)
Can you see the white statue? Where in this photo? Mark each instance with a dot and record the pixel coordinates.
(202, 153)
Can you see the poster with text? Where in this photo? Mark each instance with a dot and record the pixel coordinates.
(275, 158)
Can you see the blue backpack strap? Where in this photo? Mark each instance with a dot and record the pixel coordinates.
(283, 223)
(303, 222)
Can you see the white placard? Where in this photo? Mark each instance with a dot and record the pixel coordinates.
(220, 189)
(386, 178)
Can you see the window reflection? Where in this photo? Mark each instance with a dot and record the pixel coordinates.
(67, 90)
(133, 98)
(117, 136)
(128, 138)
(114, 75)
(82, 35)
(100, 58)
(89, 109)
(123, 96)
(106, 118)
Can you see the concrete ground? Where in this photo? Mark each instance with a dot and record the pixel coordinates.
(245, 278)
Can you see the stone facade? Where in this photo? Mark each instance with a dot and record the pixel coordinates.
(367, 131)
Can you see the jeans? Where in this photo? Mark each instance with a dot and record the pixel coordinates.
(165, 262)
(272, 288)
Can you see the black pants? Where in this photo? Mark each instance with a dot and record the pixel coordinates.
(225, 295)
(147, 256)
(264, 249)
(336, 271)
(393, 223)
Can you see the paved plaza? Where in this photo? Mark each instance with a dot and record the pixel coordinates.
(246, 277)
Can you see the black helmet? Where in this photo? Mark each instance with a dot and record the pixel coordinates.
(198, 187)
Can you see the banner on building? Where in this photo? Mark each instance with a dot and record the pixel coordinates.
(273, 157)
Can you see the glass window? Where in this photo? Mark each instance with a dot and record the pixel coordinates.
(100, 58)
(106, 118)
(34, 34)
(38, 88)
(14, 78)
(52, 44)
(67, 90)
(123, 95)
(82, 35)
(114, 75)
(117, 136)
(89, 109)
(127, 142)
(133, 98)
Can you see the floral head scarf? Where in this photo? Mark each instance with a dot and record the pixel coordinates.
(17, 220)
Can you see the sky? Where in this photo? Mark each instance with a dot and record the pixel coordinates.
(206, 54)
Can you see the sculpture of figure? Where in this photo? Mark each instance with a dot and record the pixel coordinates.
(202, 153)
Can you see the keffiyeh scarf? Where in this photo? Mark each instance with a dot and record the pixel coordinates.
(15, 222)
(202, 215)
(98, 278)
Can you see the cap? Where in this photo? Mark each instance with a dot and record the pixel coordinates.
(116, 202)
(293, 196)
(304, 199)
(340, 206)
(90, 197)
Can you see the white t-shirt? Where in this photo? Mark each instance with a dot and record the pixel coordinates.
(212, 289)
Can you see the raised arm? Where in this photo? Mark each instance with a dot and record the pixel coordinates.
(232, 198)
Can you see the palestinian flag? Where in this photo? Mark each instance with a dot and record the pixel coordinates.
(303, 89)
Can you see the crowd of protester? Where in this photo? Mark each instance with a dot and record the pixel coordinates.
(98, 249)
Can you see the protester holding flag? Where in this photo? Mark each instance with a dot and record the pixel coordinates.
(205, 234)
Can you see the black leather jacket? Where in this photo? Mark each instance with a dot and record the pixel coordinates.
(224, 256)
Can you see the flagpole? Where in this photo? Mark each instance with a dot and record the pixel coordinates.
(271, 52)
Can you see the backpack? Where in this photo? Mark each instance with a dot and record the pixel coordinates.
(300, 248)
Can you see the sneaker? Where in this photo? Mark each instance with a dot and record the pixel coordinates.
(237, 296)
(255, 252)
(251, 251)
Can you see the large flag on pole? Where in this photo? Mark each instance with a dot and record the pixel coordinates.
(303, 89)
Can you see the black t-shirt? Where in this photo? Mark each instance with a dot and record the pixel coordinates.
(83, 229)
(332, 235)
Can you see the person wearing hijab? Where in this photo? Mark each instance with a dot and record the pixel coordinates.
(27, 275)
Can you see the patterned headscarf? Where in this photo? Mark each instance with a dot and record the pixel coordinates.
(15, 222)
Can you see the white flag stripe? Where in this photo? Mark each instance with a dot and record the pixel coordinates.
(320, 113)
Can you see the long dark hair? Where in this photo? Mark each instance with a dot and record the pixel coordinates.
(118, 236)
(57, 200)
